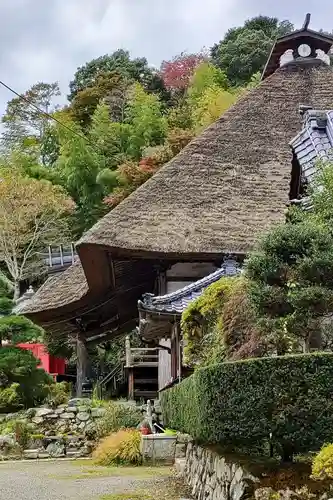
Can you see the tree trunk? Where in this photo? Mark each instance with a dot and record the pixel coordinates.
(81, 363)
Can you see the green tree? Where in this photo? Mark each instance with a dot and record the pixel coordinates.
(210, 106)
(244, 50)
(32, 216)
(111, 138)
(22, 122)
(149, 126)
(108, 87)
(78, 166)
(291, 286)
(120, 61)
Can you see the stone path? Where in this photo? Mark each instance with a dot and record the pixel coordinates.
(65, 480)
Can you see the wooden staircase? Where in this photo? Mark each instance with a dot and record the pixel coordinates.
(142, 368)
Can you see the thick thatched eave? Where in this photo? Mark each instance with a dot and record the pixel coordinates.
(58, 291)
(227, 186)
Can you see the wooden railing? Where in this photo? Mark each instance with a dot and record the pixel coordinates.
(140, 356)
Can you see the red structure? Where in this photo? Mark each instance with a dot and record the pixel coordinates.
(52, 365)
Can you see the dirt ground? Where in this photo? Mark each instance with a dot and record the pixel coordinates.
(82, 480)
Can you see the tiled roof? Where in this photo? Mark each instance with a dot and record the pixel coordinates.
(314, 142)
(176, 302)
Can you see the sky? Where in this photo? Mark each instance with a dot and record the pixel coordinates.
(46, 40)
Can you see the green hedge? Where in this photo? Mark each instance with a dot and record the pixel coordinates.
(241, 403)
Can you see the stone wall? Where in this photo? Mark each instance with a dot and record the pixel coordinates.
(213, 477)
(67, 430)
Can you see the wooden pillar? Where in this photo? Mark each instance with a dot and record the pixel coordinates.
(131, 384)
(81, 363)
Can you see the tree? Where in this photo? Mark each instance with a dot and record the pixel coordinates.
(22, 121)
(20, 367)
(149, 126)
(109, 87)
(78, 166)
(291, 286)
(244, 50)
(177, 73)
(205, 76)
(210, 106)
(111, 138)
(32, 216)
(120, 61)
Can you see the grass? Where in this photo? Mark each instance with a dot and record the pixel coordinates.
(136, 472)
(171, 489)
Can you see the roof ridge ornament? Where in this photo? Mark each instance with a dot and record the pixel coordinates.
(306, 22)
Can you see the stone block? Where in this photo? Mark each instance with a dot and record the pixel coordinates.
(72, 409)
(37, 420)
(83, 416)
(67, 416)
(180, 451)
(158, 448)
(98, 412)
(56, 449)
(30, 454)
(42, 412)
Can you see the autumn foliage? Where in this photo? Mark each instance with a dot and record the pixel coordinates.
(177, 73)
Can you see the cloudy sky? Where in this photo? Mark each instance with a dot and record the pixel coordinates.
(46, 40)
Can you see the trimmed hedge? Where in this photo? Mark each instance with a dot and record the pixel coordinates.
(240, 403)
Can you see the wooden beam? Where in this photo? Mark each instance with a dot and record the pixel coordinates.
(81, 363)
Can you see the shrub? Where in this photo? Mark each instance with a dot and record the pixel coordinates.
(118, 416)
(59, 393)
(10, 399)
(201, 325)
(21, 367)
(322, 466)
(120, 448)
(241, 403)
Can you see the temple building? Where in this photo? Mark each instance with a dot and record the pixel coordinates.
(198, 217)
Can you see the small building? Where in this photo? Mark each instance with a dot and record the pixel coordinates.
(212, 201)
(51, 364)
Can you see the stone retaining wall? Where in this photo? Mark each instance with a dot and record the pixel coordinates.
(213, 477)
(68, 430)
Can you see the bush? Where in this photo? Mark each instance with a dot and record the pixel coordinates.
(10, 399)
(241, 403)
(118, 416)
(322, 466)
(19, 366)
(120, 448)
(59, 393)
(201, 324)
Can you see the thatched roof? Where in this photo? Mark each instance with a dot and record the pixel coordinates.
(228, 185)
(58, 291)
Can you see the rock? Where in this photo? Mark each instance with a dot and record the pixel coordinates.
(82, 426)
(56, 449)
(37, 420)
(83, 416)
(31, 412)
(67, 416)
(30, 454)
(51, 416)
(7, 441)
(79, 401)
(42, 412)
(180, 450)
(43, 454)
(72, 409)
(84, 409)
(98, 412)
(59, 411)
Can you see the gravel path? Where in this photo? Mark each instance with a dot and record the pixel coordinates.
(63, 480)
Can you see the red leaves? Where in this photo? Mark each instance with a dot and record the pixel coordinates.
(177, 73)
